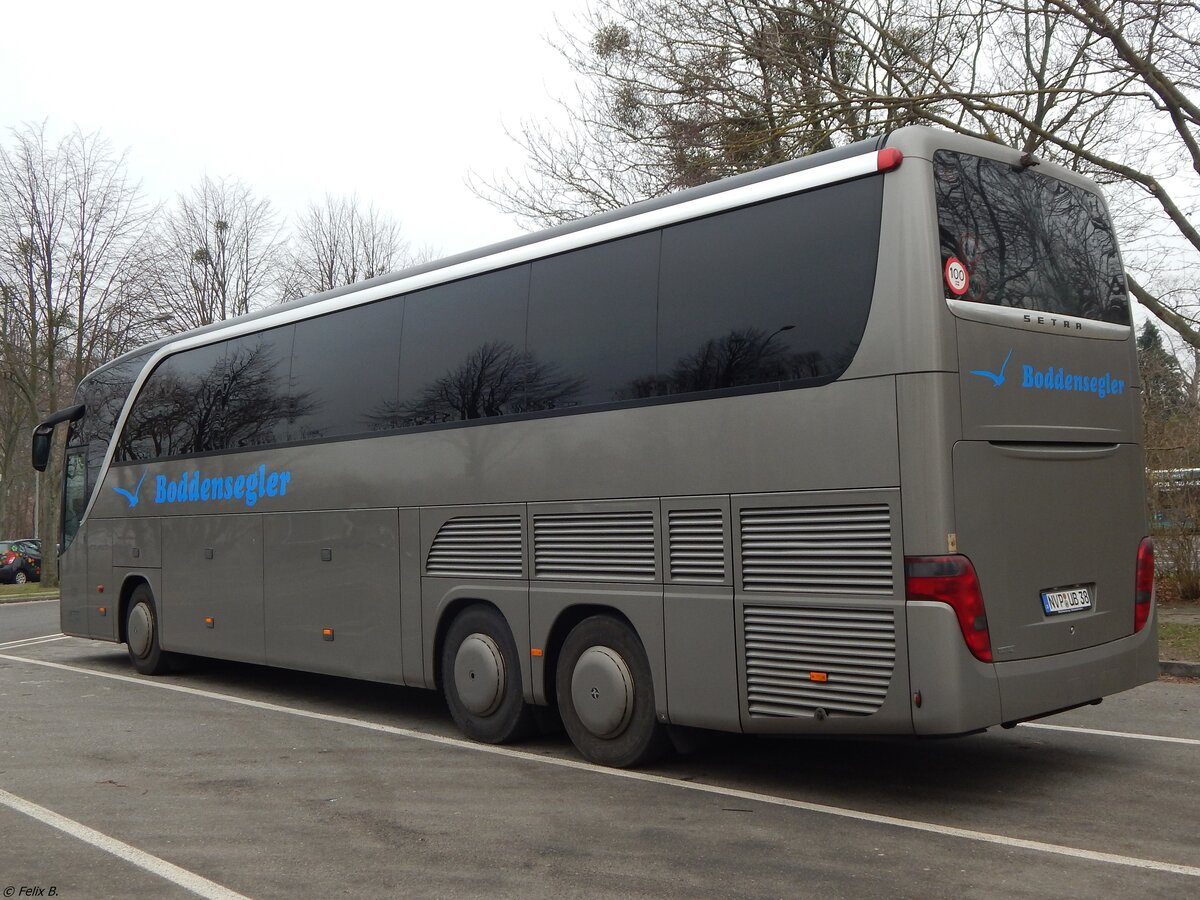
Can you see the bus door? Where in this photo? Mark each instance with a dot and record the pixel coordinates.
(72, 561)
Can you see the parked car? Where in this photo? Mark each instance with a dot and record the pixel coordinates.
(20, 561)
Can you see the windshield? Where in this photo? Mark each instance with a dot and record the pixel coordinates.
(1011, 237)
(103, 395)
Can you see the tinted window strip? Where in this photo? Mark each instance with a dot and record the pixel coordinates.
(699, 397)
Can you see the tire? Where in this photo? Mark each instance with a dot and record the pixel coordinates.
(606, 695)
(141, 634)
(481, 678)
(20, 577)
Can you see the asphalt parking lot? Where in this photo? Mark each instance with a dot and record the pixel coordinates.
(230, 780)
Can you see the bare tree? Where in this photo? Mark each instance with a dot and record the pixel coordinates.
(72, 231)
(1172, 435)
(16, 478)
(677, 94)
(338, 243)
(219, 254)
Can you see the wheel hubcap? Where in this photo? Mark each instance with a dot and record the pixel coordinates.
(602, 691)
(479, 674)
(139, 630)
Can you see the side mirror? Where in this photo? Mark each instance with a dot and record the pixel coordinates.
(43, 434)
(41, 448)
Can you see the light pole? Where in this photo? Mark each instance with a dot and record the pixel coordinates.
(774, 334)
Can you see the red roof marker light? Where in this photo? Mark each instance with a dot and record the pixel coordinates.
(888, 159)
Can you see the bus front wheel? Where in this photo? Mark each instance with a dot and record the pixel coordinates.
(481, 678)
(141, 634)
(606, 694)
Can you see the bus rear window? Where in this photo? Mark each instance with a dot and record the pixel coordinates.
(1026, 241)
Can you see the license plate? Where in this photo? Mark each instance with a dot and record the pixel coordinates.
(1066, 601)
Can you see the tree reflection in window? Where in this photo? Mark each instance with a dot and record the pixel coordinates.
(1028, 241)
(214, 398)
(103, 394)
(495, 379)
(743, 356)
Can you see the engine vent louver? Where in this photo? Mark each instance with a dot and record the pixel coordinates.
(477, 547)
(601, 546)
(818, 549)
(696, 545)
(799, 660)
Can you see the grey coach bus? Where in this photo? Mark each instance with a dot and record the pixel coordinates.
(846, 446)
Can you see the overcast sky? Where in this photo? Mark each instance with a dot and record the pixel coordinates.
(396, 102)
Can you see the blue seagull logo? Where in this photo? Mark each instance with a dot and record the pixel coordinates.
(997, 380)
(132, 498)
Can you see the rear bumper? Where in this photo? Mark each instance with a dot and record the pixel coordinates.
(962, 694)
(1034, 687)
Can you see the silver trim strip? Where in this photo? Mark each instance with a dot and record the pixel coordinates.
(1033, 320)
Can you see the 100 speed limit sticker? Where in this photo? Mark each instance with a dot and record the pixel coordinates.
(957, 278)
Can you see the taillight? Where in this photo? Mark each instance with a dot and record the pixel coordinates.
(952, 580)
(1143, 585)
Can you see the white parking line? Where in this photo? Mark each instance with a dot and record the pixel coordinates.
(152, 864)
(28, 642)
(840, 812)
(1132, 735)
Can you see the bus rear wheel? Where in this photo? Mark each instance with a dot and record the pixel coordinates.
(481, 678)
(141, 634)
(606, 694)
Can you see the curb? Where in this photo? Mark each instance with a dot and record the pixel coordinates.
(27, 598)
(1179, 669)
